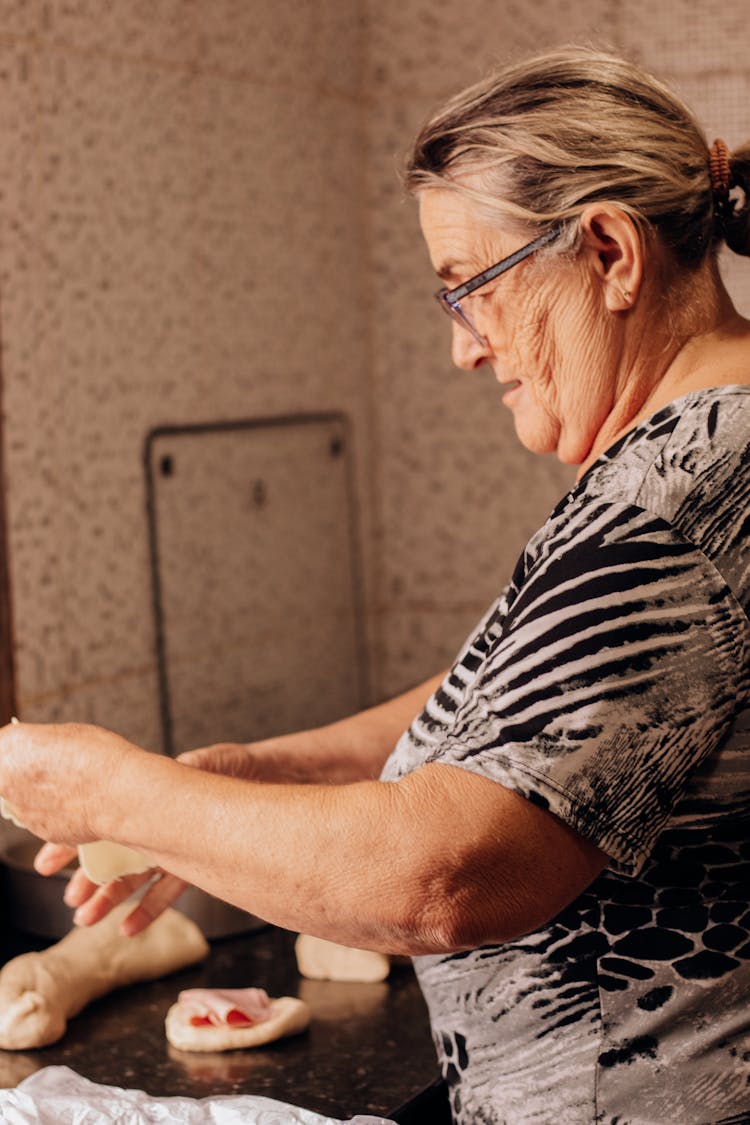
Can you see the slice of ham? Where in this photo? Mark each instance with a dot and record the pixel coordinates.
(225, 1007)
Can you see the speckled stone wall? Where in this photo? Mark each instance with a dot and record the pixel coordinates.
(182, 240)
(200, 219)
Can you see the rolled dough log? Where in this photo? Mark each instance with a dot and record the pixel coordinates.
(319, 959)
(40, 992)
(289, 1016)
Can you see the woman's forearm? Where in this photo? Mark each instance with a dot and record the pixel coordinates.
(352, 749)
(439, 861)
(322, 859)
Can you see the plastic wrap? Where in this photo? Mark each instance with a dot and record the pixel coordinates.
(57, 1095)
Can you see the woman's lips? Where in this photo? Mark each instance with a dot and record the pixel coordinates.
(511, 387)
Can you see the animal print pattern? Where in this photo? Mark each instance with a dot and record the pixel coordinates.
(609, 683)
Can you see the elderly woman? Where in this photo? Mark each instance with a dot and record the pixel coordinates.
(561, 837)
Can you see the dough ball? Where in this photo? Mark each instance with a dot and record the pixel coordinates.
(319, 959)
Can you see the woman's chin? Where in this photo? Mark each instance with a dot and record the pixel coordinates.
(538, 434)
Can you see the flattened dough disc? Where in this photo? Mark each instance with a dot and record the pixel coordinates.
(289, 1016)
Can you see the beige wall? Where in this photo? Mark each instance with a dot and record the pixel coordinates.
(182, 240)
(201, 219)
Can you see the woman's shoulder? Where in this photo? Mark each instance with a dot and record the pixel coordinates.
(686, 451)
(687, 466)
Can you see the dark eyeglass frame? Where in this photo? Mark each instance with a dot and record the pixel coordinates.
(449, 298)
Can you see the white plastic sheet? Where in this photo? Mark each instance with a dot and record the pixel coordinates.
(57, 1095)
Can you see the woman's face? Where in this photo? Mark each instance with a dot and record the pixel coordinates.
(547, 340)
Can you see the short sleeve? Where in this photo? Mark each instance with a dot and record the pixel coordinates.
(620, 664)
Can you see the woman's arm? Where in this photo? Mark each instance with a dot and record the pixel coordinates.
(352, 749)
(440, 861)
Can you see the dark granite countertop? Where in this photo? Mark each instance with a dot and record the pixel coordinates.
(368, 1048)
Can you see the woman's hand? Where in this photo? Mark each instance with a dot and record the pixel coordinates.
(93, 902)
(56, 777)
(233, 759)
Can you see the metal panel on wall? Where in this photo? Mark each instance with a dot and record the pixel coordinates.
(256, 583)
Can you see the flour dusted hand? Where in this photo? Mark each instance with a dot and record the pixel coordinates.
(55, 778)
(6, 809)
(33, 758)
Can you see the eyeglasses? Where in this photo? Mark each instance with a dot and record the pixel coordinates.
(449, 299)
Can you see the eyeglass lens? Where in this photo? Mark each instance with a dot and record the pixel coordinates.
(451, 304)
(457, 313)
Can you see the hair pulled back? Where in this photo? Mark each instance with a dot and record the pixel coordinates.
(575, 125)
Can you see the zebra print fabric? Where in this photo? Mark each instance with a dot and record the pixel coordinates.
(610, 685)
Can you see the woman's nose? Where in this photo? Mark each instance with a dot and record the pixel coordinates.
(466, 352)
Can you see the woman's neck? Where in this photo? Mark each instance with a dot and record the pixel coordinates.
(667, 363)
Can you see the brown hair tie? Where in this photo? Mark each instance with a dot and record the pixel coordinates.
(721, 173)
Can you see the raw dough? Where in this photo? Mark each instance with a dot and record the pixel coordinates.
(319, 959)
(9, 812)
(40, 992)
(103, 861)
(289, 1016)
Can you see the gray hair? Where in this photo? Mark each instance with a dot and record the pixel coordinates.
(568, 127)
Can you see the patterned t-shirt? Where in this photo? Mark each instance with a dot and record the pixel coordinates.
(610, 685)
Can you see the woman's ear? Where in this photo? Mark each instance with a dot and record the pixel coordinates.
(615, 252)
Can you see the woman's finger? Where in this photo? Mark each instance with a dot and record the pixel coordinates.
(161, 894)
(106, 897)
(79, 889)
(51, 858)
